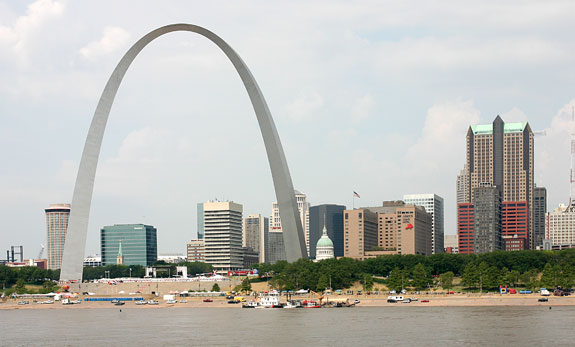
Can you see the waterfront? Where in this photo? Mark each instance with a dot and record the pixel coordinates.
(362, 326)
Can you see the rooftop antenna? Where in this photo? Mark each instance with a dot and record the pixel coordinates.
(570, 207)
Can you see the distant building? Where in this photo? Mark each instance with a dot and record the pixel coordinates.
(402, 229)
(275, 251)
(196, 251)
(250, 257)
(539, 211)
(57, 216)
(433, 205)
(487, 219)
(515, 225)
(324, 247)
(255, 234)
(223, 235)
(200, 221)
(138, 242)
(93, 261)
(560, 226)
(303, 207)
(462, 186)
(465, 228)
(172, 258)
(360, 232)
(120, 256)
(333, 223)
(451, 244)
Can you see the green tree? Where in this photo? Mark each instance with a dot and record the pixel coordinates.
(482, 271)
(20, 288)
(513, 277)
(470, 276)
(322, 283)
(367, 283)
(492, 277)
(396, 279)
(549, 276)
(215, 287)
(246, 285)
(446, 280)
(420, 278)
(529, 278)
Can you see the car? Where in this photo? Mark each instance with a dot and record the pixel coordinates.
(356, 301)
(392, 292)
(425, 300)
(209, 300)
(543, 300)
(413, 299)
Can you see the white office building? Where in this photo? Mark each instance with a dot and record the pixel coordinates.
(433, 205)
(560, 226)
(303, 207)
(223, 235)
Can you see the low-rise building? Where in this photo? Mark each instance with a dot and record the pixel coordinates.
(196, 251)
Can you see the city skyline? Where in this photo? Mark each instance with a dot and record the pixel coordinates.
(395, 145)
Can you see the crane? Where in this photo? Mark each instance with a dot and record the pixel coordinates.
(41, 253)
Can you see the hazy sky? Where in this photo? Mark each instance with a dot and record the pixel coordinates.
(371, 96)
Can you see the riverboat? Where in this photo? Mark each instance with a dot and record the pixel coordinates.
(311, 304)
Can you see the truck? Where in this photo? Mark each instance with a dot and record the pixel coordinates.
(544, 292)
(395, 298)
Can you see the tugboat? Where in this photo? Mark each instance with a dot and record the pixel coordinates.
(311, 304)
(250, 304)
(271, 300)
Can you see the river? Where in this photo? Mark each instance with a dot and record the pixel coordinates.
(358, 326)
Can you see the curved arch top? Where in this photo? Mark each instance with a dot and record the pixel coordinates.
(75, 244)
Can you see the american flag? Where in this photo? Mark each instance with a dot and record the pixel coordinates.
(355, 194)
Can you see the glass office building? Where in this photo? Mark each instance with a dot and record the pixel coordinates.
(139, 244)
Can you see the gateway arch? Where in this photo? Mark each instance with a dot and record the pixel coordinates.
(74, 248)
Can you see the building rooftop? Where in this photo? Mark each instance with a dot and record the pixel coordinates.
(484, 129)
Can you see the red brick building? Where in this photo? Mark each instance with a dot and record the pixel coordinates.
(515, 225)
(465, 222)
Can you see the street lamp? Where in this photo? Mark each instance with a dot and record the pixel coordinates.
(130, 272)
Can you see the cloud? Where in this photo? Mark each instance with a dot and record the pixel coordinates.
(362, 108)
(112, 39)
(16, 37)
(514, 115)
(552, 156)
(305, 106)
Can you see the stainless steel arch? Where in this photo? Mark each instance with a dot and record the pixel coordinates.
(72, 260)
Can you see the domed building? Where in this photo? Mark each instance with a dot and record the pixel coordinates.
(324, 247)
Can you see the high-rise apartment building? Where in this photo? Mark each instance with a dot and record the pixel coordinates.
(136, 243)
(303, 207)
(560, 226)
(223, 235)
(195, 251)
(465, 226)
(57, 216)
(255, 235)
(500, 155)
(539, 211)
(332, 216)
(433, 205)
(360, 232)
(275, 250)
(487, 219)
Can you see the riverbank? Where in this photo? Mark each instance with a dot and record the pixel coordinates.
(367, 301)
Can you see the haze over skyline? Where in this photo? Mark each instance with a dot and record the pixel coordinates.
(373, 97)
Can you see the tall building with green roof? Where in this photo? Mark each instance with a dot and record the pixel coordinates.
(501, 155)
(128, 244)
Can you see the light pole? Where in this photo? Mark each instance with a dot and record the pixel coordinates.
(130, 272)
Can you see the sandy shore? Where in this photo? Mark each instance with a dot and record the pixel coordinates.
(381, 301)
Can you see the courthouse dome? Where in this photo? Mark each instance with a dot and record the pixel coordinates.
(324, 247)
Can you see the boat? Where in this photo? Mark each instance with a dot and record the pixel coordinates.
(114, 301)
(208, 300)
(141, 302)
(311, 304)
(293, 304)
(153, 302)
(271, 300)
(23, 302)
(250, 304)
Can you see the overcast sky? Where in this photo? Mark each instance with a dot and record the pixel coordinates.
(371, 96)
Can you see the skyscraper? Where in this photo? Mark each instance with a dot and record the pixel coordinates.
(501, 155)
(433, 205)
(360, 232)
(57, 216)
(195, 251)
(487, 223)
(223, 235)
(560, 226)
(540, 209)
(303, 207)
(255, 235)
(333, 217)
(200, 220)
(136, 243)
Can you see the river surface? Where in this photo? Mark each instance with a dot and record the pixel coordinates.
(358, 326)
